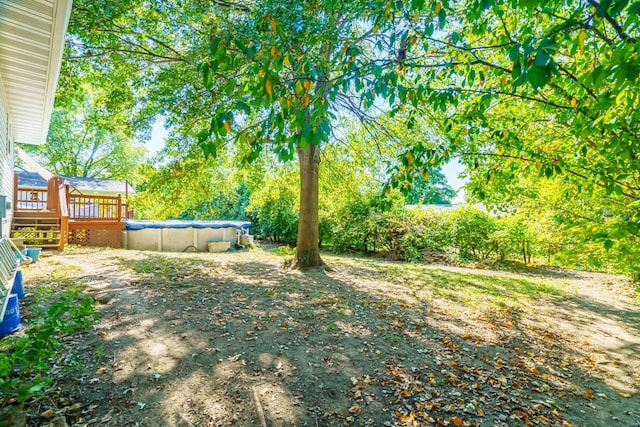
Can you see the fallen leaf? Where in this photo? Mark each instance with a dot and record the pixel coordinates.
(544, 420)
(457, 421)
(405, 393)
(410, 418)
(47, 414)
(355, 409)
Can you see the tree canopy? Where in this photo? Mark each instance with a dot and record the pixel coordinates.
(546, 89)
(521, 92)
(87, 140)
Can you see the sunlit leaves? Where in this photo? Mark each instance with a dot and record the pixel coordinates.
(537, 89)
(301, 65)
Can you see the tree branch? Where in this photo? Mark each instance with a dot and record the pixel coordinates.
(616, 26)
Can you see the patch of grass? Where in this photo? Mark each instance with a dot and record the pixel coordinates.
(65, 272)
(79, 250)
(485, 289)
(166, 267)
(502, 291)
(100, 352)
(285, 250)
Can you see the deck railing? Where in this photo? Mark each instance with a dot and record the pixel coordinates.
(31, 199)
(87, 208)
(79, 206)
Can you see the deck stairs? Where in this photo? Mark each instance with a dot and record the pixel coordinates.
(37, 231)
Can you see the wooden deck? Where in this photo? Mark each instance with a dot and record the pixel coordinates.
(60, 215)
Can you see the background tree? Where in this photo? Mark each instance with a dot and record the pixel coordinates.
(431, 188)
(142, 55)
(85, 140)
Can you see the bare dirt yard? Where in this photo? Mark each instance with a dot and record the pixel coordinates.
(234, 339)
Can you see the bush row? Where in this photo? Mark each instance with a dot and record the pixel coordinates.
(467, 232)
(371, 224)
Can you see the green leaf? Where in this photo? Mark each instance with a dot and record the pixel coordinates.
(608, 244)
(548, 172)
(213, 46)
(442, 18)
(542, 58)
(243, 106)
(207, 77)
(633, 228)
(514, 53)
(240, 45)
(538, 76)
(203, 135)
(429, 29)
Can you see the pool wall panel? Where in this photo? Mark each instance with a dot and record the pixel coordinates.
(143, 240)
(177, 239)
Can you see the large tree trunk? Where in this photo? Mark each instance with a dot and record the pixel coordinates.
(307, 249)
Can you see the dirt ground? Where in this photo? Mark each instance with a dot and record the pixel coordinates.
(234, 339)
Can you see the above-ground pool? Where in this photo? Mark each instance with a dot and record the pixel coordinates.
(180, 235)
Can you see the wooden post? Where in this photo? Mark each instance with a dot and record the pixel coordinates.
(63, 198)
(119, 217)
(64, 232)
(53, 199)
(68, 197)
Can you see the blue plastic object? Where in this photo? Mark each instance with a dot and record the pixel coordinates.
(11, 320)
(34, 253)
(132, 224)
(18, 285)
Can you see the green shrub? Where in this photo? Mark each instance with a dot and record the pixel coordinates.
(223, 205)
(471, 232)
(352, 226)
(433, 228)
(513, 240)
(285, 250)
(274, 214)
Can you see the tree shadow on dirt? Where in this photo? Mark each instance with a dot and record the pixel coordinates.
(209, 340)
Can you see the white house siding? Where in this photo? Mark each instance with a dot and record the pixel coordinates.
(6, 161)
(32, 34)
